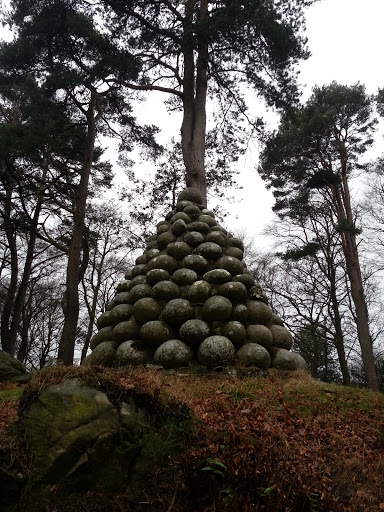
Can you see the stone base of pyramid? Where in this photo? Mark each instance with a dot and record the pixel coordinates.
(190, 299)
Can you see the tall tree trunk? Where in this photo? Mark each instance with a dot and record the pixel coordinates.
(338, 338)
(92, 307)
(342, 201)
(194, 102)
(70, 302)
(21, 293)
(6, 314)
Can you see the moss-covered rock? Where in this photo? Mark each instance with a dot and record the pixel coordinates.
(216, 351)
(286, 360)
(217, 308)
(104, 354)
(173, 354)
(252, 354)
(193, 332)
(133, 352)
(12, 370)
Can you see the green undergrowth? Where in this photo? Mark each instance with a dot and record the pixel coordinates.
(214, 442)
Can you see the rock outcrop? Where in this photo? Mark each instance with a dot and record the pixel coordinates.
(190, 298)
(11, 370)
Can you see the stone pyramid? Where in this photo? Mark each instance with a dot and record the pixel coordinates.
(191, 299)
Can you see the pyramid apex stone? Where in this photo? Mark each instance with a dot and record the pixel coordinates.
(191, 194)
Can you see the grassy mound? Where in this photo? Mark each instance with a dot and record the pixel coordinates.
(271, 443)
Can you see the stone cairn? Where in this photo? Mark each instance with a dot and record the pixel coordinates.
(191, 299)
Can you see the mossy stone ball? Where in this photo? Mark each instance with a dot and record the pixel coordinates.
(140, 291)
(209, 250)
(217, 308)
(191, 194)
(166, 290)
(126, 330)
(253, 354)
(258, 312)
(184, 276)
(105, 334)
(146, 309)
(173, 354)
(120, 313)
(282, 338)
(133, 352)
(234, 290)
(165, 262)
(193, 332)
(154, 333)
(156, 275)
(260, 334)
(234, 331)
(104, 355)
(217, 276)
(177, 311)
(233, 265)
(179, 250)
(199, 292)
(193, 238)
(216, 351)
(286, 360)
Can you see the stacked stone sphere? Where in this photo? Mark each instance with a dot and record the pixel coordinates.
(190, 298)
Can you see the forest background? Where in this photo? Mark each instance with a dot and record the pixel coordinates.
(343, 39)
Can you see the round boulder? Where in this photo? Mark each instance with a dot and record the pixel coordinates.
(216, 351)
(166, 290)
(105, 334)
(164, 262)
(120, 313)
(209, 250)
(286, 360)
(217, 276)
(217, 237)
(253, 354)
(260, 334)
(146, 309)
(234, 331)
(193, 238)
(240, 313)
(178, 250)
(184, 276)
(155, 333)
(258, 312)
(191, 194)
(140, 291)
(217, 308)
(164, 239)
(136, 281)
(234, 290)
(104, 320)
(195, 262)
(199, 292)
(133, 353)
(247, 280)
(102, 355)
(177, 311)
(282, 338)
(173, 354)
(156, 275)
(233, 265)
(193, 332)
(127, 330)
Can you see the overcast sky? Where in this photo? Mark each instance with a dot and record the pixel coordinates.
(346, 40)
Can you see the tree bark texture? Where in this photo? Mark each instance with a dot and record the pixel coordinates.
(70, 301)
(194, 102)
(341, 197)
(6, 315)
